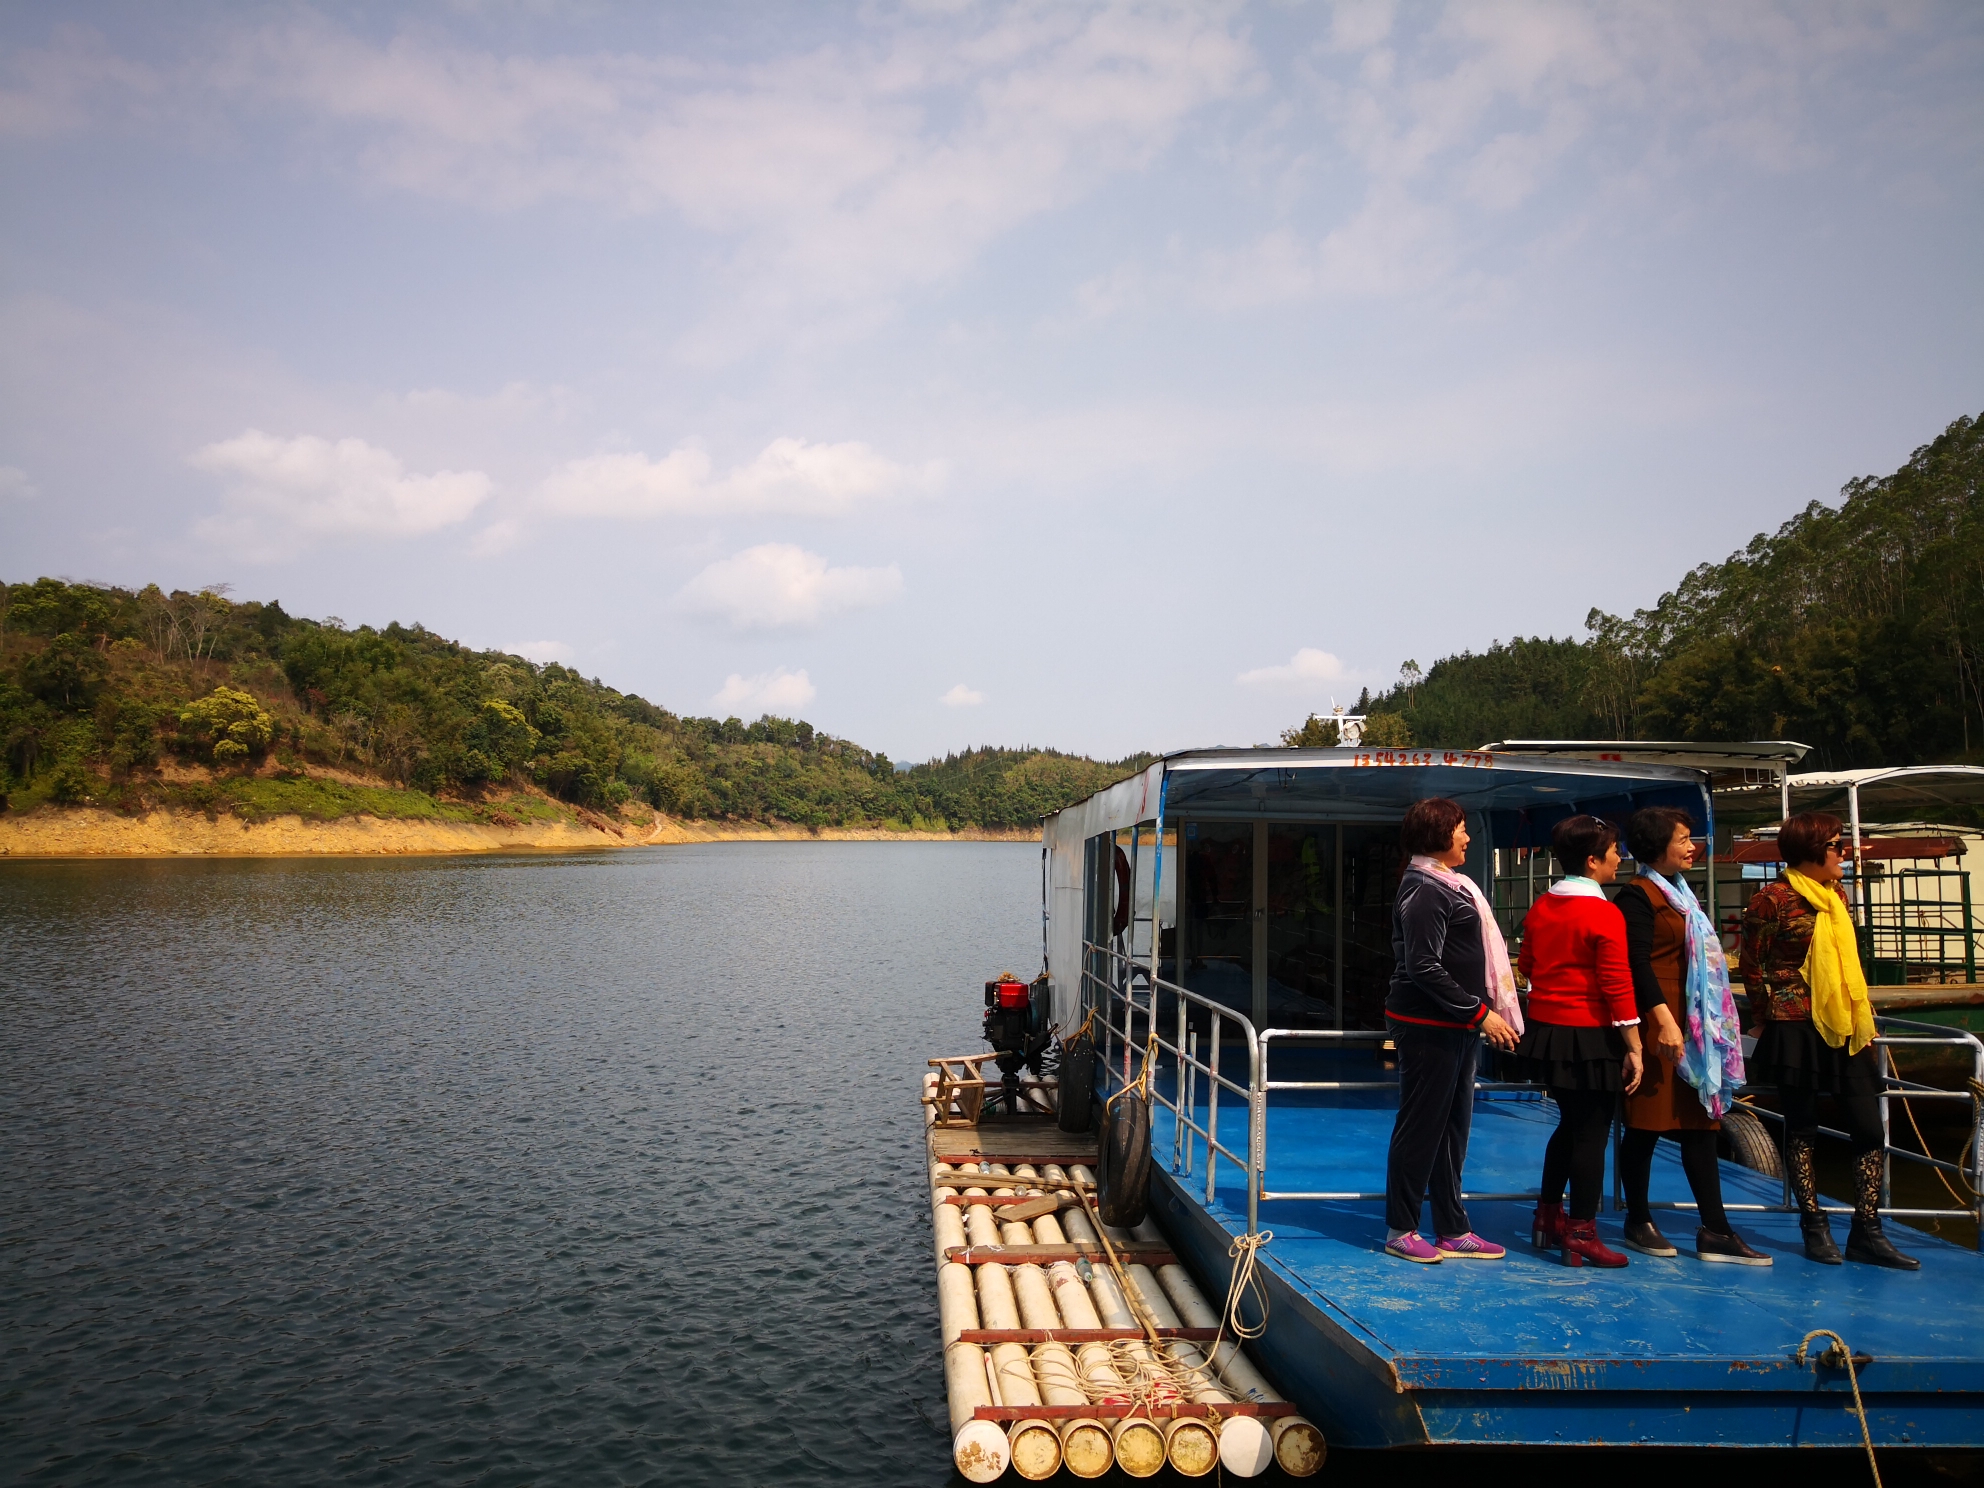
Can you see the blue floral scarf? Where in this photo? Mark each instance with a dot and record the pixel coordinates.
(1712, 1049)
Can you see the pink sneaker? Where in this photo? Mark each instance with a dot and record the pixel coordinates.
(1469, 1247)
(1412, 1246)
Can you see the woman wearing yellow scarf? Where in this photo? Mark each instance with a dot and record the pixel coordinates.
(1801, 969)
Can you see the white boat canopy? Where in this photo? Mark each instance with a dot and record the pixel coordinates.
(1919, 792)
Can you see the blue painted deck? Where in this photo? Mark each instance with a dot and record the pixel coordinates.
(1528, 1351)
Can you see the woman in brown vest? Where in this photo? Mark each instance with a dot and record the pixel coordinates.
(1662, 841)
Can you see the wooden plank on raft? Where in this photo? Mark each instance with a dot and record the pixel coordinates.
(1025, 1255)
(1079, 1335)
(1008, 1206)
(977, 1144)
(1154, 1413)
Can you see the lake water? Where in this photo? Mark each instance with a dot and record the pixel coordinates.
(579, 1169)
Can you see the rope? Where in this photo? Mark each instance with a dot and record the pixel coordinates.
(1152, 1377)
(1245, 1252)
(1910, 1112)
(1839, 1354)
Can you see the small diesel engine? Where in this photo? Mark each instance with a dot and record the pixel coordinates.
(1016, 1026)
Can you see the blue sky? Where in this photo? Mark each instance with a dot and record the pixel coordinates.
(1104, 377)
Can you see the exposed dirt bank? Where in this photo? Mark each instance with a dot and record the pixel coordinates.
(86, 832)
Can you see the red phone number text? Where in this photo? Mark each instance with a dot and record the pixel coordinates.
(1472, 759)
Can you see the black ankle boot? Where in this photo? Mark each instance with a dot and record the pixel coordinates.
(1803, 1173)
(1819, 1244)
(1867, 1241)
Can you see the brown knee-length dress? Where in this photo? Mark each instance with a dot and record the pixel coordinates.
(1657, 952)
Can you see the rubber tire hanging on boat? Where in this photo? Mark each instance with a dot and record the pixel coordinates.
(1123, 1168)
(1750, 1146)
(1077, 1093)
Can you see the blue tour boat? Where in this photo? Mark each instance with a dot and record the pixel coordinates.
(1227, 914)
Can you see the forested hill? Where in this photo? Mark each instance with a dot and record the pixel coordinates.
(1857, 629)
(138, 699)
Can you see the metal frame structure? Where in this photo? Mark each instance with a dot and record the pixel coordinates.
(1114, 995)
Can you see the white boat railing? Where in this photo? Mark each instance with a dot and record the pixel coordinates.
(1122, 991)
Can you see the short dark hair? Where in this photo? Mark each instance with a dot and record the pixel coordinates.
(1650, 829)
(1429, 825)
(1578, 839)
(1803, 838)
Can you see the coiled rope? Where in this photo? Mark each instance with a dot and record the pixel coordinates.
(1839, 1354)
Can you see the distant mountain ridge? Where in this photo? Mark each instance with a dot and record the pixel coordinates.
(134, 699)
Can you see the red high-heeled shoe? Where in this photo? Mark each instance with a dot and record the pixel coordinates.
(1582, 1247)
(1546, 1226)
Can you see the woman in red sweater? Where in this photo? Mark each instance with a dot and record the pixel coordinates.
(1583, 1036)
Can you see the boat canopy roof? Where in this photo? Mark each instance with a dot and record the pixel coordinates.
(1917, 790)
(1521, 797)
(1734, 763)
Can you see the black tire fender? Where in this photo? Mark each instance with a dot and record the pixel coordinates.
(1077, 1095)
(1123, 1164)
(1750, 1145)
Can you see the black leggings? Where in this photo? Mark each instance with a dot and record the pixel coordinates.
(1577, 1149)
(1698, 1161)
(1860, 1113)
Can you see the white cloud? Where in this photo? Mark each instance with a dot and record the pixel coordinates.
(541, 651)
(1306, 669)
(844, 175)
(962, 697)
(497, 538)
(287, 492)
(14, 484)
(789, 477)
(766, 692)
(777, 585)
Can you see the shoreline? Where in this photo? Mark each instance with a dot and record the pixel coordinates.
(91, 832)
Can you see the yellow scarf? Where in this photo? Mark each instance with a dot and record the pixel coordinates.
(1840, 1010)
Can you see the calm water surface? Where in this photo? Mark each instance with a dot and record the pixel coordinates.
(592, 1169)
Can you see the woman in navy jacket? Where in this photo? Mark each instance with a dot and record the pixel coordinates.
(1437, 1012)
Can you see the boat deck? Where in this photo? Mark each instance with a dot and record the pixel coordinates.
(1673, 1351)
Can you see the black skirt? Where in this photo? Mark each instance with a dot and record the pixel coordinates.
(1792, 1056)
(1570, 1058)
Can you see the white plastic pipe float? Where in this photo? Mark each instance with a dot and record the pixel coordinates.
(946, 1222)
(1246, 1444)
(1035, 1443)
(1191, 1445)
(1086, 1448)
(1139, 1442)
(1298, 1443)
(1088, 1445)
(979, 1449)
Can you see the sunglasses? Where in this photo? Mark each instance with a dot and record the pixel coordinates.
(1835, 846)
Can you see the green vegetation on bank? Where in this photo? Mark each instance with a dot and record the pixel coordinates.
(1857, 629)
(135, 699)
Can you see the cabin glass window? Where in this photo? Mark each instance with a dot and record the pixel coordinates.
(1219, 892)
(1372, 862)
(1301, 922)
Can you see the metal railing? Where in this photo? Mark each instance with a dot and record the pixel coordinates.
(1122, 992)
(1114, 990)
(1894, 1088)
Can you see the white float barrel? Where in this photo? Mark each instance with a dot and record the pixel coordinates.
(1246, 1443)
(946, 1220)
(1036, 1446)
(1086, 1448)
(979, 1449)
(1298, 1442)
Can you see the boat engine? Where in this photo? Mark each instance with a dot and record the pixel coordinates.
(1016, 1027)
